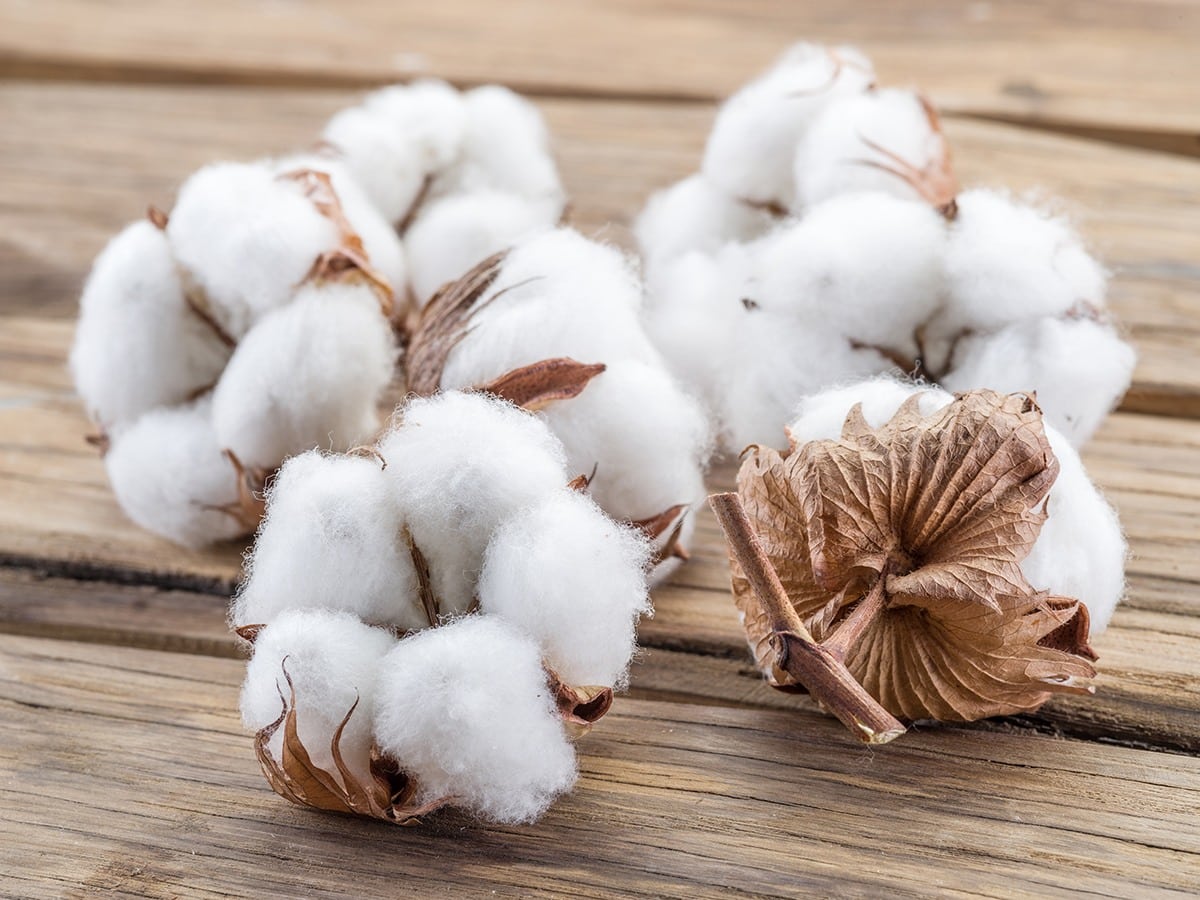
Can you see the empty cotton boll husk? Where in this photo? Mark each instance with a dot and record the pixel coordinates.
(886, 140)
(138, 345)
(467, 710)
(322, 666)
(752, 146)
(333, 538)
(900, 556)
(307, 375)
(460, 464)
(574, 579)
(171, 477)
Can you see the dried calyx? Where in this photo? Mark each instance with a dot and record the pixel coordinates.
(882, 571)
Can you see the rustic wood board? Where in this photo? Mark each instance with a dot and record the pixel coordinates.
(62, 196)
(1112, 68)
(670, 794)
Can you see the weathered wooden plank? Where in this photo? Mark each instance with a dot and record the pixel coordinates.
(675, 800)
(78, 162)
(1110, 68)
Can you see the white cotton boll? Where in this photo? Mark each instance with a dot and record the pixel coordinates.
(695, 314)
(820, 416)
(836, 155)
(506, 147)
(460, 464)
(1080, 552)
(170, 476)
(574, 579)
(467, 710)
(454, 233)
(1078, 368)
(1006, 261)
(308, 375)
(694, 214)
(398, 137)
(246, 238)
(381, 244)
(867, 265)
(333, 538)
(138, 345)
(332, 659)
(751, 148)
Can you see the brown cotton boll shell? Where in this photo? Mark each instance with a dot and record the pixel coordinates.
(943, 508)
(540, 384)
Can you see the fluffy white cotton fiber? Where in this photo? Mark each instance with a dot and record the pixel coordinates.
(467, 710)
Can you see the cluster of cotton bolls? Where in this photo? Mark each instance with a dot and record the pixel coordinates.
(1080, 551)
(825, 239)
(460, 175)
(558, 294)
(250, 324)
(460, 532)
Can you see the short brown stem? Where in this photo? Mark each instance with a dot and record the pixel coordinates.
(810, 664)
(851, 628)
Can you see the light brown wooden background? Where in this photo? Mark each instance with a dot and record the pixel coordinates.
(123, 768)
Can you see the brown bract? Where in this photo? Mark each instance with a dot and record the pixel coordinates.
(388, 793)
(935, 181)
(899, 549)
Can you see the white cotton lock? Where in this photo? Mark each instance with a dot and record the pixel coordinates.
(1078, 368)
(467, 711)
(867, 265)
(397, 138)
(308, 375)
(574, 579)
(695, 215)
(867, 142)
(170, 476)
(459, 465)
(333, 661)
(333, 538)
(752, 146)
(455, 232)
(1080, 552)
(138, 345)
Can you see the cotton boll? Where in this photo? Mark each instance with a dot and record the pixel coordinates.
(460, 464)
(574, 579)
(308, 375)
(1078, 368)
(694, 215)
(855, 141)
(466, 709)
(332, 659)
(820, 416)
(170, 476)
(505, 147)
(753, 141)
(246, 238)
(1080, 552)
(397, 138)
(454, 233)
(867, 265)
(333, 538)
(381, 244)
(138, 345)
(1006, 262)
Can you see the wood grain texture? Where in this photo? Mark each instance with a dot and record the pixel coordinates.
(1111, 68)
(670, 795)
(76, 163)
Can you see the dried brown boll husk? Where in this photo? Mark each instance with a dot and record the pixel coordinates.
(881, 571)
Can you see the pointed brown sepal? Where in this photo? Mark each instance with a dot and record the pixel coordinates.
(656, 526)
(539, 384)
(935, 181)
(157, 217)
(251, 486)
(100, 440)
(348, 266)
(579, 707)
(249, 633)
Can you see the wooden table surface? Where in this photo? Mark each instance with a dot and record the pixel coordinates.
(123, 768)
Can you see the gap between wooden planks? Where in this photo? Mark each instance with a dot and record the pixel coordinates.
(126, 770)
(1111, 69)
(78, 162)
